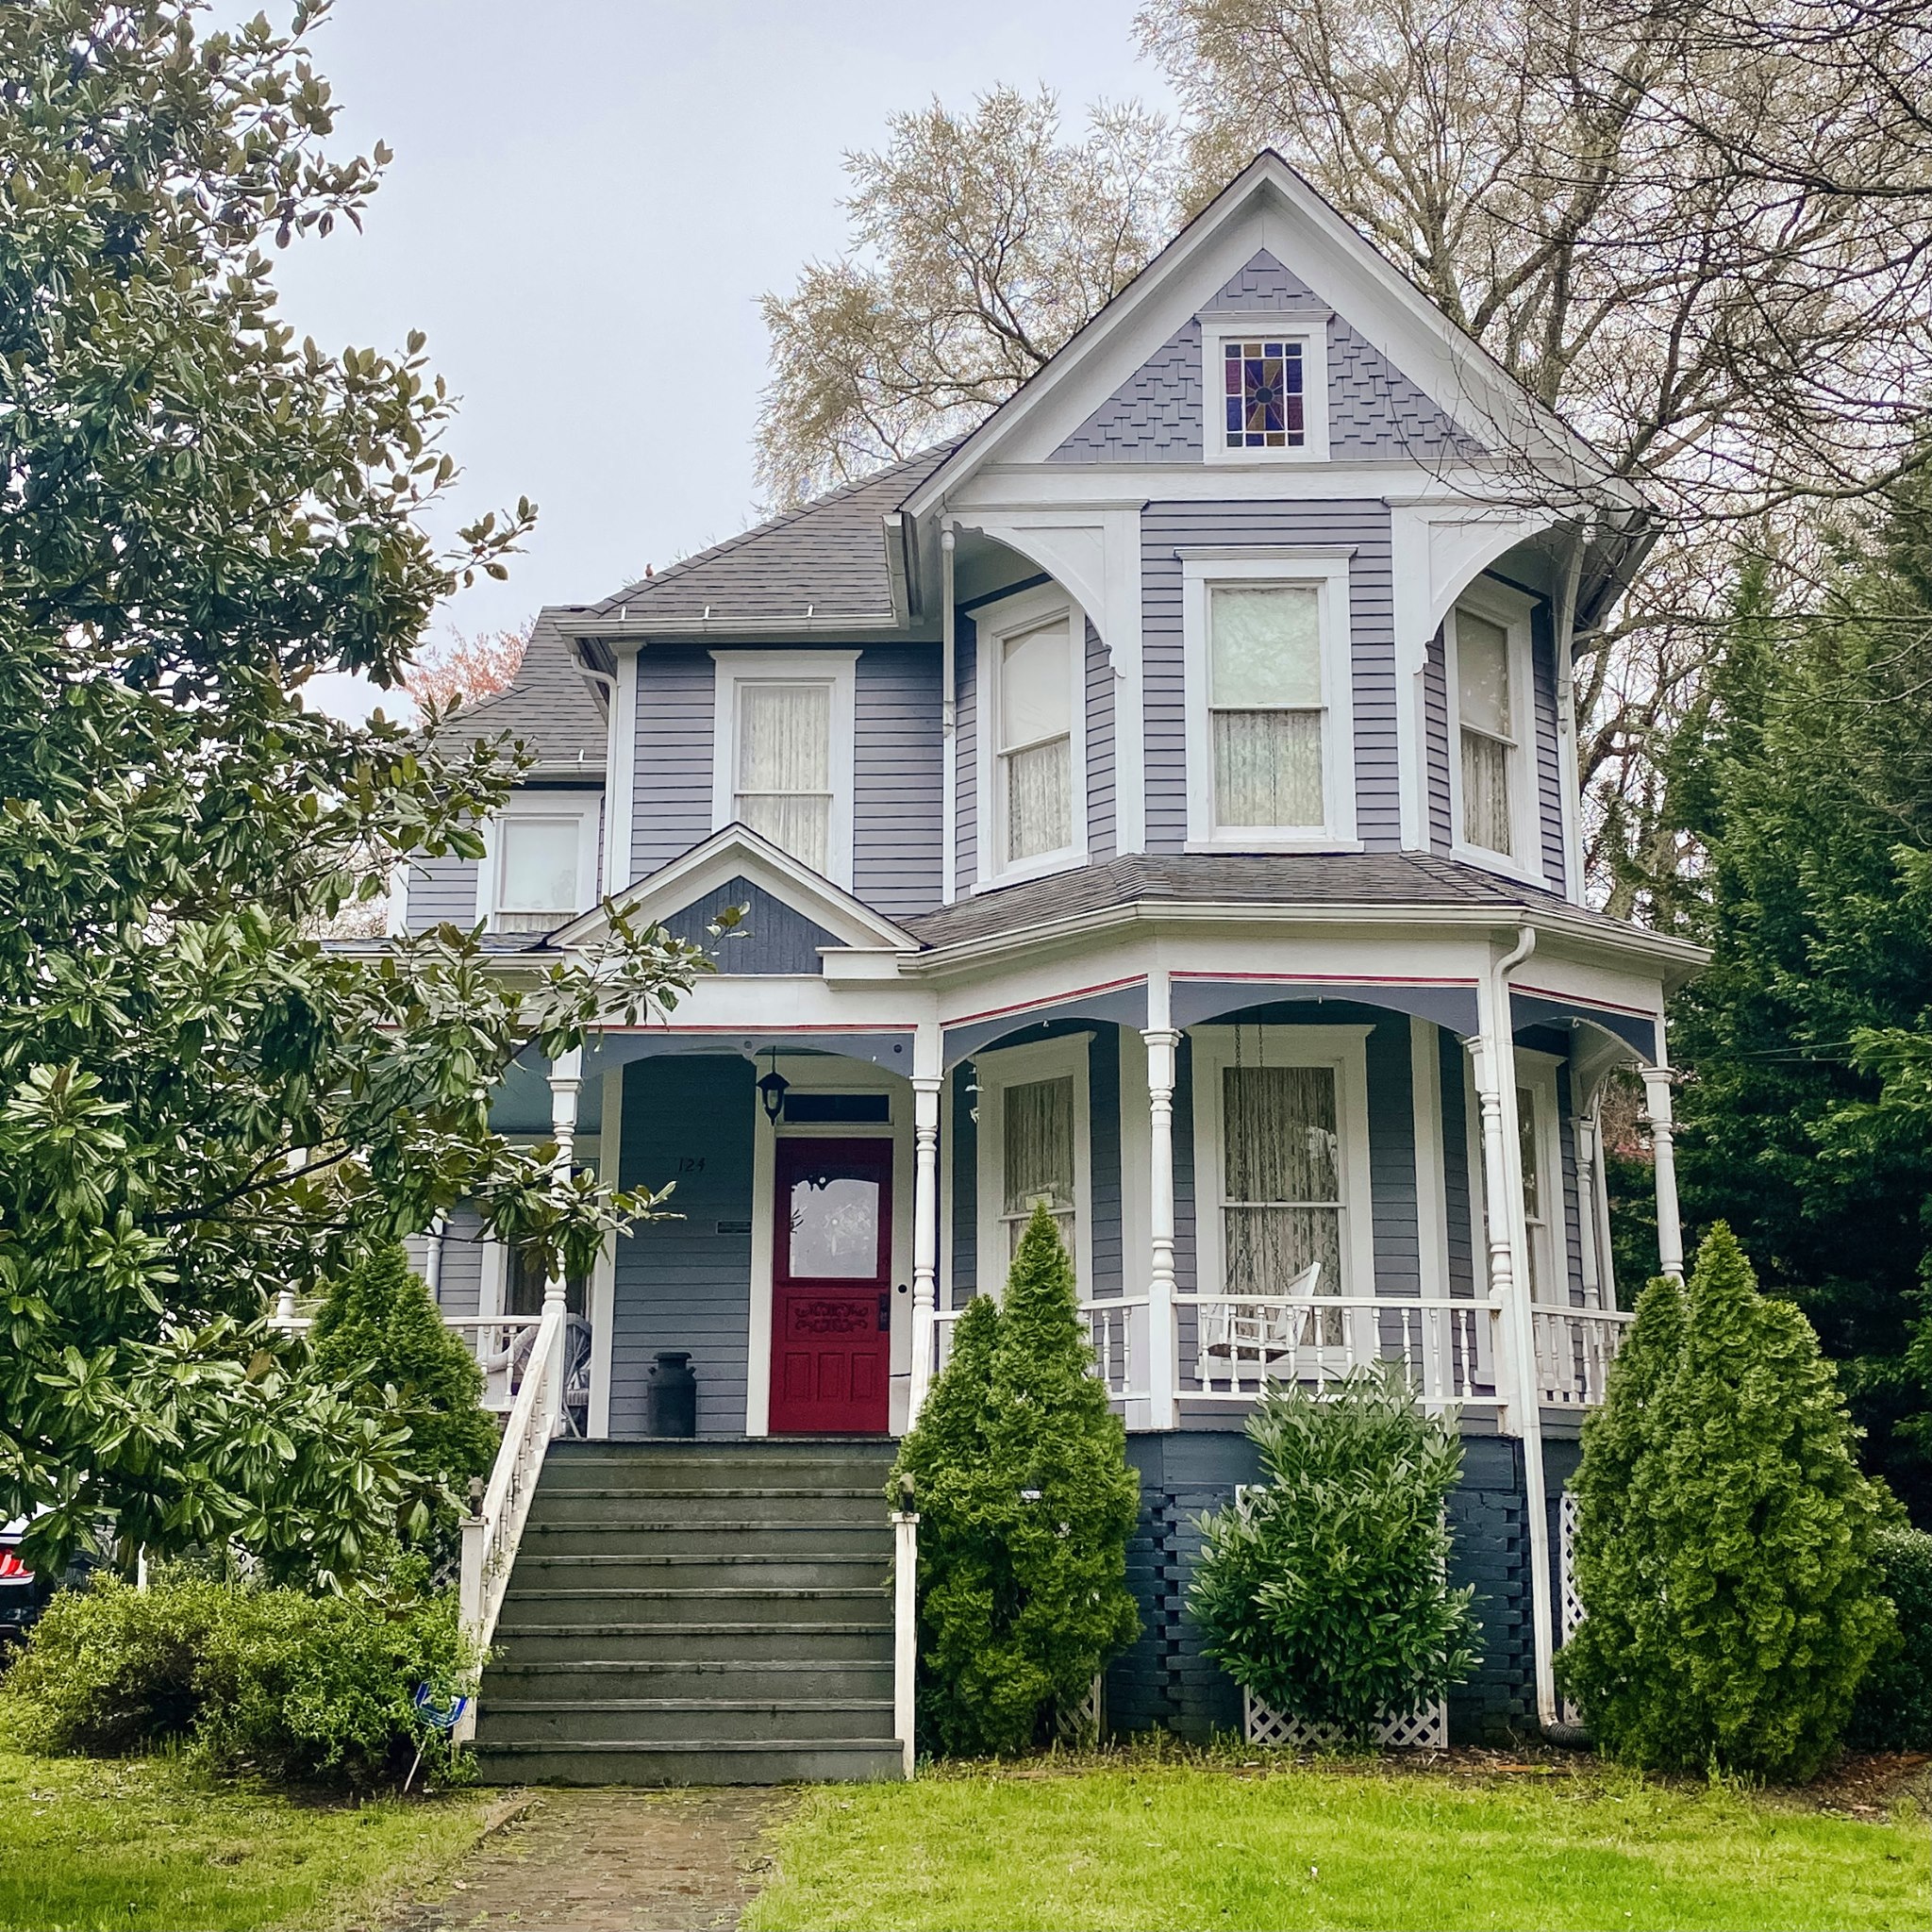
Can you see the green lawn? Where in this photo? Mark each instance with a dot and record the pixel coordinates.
(144, 1842)
(1166, 1846)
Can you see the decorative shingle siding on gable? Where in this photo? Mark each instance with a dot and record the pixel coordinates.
(772, 938)
(672, 795)
(1156, 415)
(897, 807)
(1167, 526)
(1100, 750)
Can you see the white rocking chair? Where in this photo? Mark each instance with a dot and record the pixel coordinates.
(1253, 1336)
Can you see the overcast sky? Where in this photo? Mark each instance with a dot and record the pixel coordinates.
(586, 200)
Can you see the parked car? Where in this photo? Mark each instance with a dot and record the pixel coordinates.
(23, 1591)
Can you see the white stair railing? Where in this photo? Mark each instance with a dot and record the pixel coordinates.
(491, 1536)
(906, 1627)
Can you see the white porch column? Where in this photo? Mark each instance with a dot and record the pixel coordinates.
(1583, 1129)
(1657, 1112)
(1162, 1043)
(566, 1084)
(925, 1238)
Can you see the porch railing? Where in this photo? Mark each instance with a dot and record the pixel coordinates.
(1453, 1349)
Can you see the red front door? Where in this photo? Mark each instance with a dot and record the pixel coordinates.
(831, 1287)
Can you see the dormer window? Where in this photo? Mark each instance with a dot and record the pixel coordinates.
(1266, 382)
(540, 868)
(1031, 764)
(1261, 386)
(1492, 765)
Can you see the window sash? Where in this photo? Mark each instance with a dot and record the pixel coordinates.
(537, 863)
(1039, 793)
(783, 766)
(1282, 1179)
(1489, 805)
(1038, 1157)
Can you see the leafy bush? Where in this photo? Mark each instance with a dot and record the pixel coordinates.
(379, 1332)
(1025, 1504)
(311, 1690)
(1894, 1708)
(1323, 1591)
(1724, 1537)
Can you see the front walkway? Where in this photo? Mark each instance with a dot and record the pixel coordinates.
(611, 1861)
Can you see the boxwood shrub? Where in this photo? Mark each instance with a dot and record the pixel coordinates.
(1893, 1708)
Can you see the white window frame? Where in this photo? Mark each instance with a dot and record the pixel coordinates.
(1017, 1066)
(995, 624)
(1342, 1048)
(838, 672)
(1327, 573)
(1311, 332)
(584, 807)
(1536, 1074)
(1512, 610)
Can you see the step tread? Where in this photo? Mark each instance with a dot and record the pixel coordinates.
(498, 1705)
(583, 1525)
(719, 1558)
(577, 1631)
(686, 1746)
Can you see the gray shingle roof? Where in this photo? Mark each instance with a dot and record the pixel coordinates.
(548, 706)
(1338, 879)
(828, 555)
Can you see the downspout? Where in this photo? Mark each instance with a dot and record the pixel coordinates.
(432, 1258)
(949, 720)
(1537, 1511)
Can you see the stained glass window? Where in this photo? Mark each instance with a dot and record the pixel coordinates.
(1263, 392)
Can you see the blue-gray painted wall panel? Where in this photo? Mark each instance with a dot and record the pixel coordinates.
(773, 937)
(676, 684)
(1104, 1097)
(1391, 1158)
(685, 1283)
(965, 1172)
(1363, 526)
(1459, 1211)
(459, 1277)
(897, 829)
(1100, 750)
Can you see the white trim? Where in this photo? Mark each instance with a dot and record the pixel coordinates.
(581, 807)
(1310, 333)
(826, 1073)
(1328, 576)
(997, 1070)
(620, 775)
(1431, 1170)
(1343, 1048)
(994, 624)
(1512, 610)
(603, 1297)
(838, 672)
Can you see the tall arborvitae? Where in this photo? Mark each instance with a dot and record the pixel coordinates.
(1025, 1504)
(1724, 1546)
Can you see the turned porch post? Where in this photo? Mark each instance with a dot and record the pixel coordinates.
(926, 1238)
(1656, 1113)
(1162, 1043)
(566, 1084)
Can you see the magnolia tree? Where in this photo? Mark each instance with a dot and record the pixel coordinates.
(199, 1103)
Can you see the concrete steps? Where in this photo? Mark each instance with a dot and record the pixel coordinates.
(695, 1613)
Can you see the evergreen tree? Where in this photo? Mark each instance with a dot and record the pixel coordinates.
(1323, 1590)
(378, 1332)
(1025, 1504)
(1725, 1547)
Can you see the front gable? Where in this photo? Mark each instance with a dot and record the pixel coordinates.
(1373, 411)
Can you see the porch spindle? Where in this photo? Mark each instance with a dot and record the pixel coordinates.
(1162, 1043)
(925, 1240)
(1657, 1111)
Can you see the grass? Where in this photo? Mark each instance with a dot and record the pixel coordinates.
(1172, 1846)
(145, 1842)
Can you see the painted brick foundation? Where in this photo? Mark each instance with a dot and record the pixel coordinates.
(1165, 1683)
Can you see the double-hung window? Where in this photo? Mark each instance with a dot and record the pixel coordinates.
(540, 865)
(1269, 752)
(1493, 767)
(1033, 1143)
(1031, 766)
(783, 755)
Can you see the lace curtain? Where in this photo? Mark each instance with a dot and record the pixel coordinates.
(785, 766)
(1265, 704)
(1036, 740)
(1281, 1188)
(538, 865)
(1482, 669)
(1039, 1150)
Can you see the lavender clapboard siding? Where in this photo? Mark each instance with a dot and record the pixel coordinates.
(1459, 1212)
(1436, 746)
(965, 1159)
(965, 754)
(672, 794)
(685, 1283)
(1104, 1159)
(1101, 844)
(1374, 412)
(1392, 1154)
(1549, 769)
(459, 1272)
(897, 765)
(1361, 524)
(442, 891)
(1573, 1218)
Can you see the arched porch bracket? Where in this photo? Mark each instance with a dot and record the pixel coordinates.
(1635, 1033)
(891, 1049)
(1116, 1006)
(1450, 1003)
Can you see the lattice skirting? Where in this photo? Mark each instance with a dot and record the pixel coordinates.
(1569, 1604)
(1427, 1730)
(1080, 1726)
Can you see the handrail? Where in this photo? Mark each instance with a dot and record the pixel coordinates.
(905, 1629)
(491, 1536)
